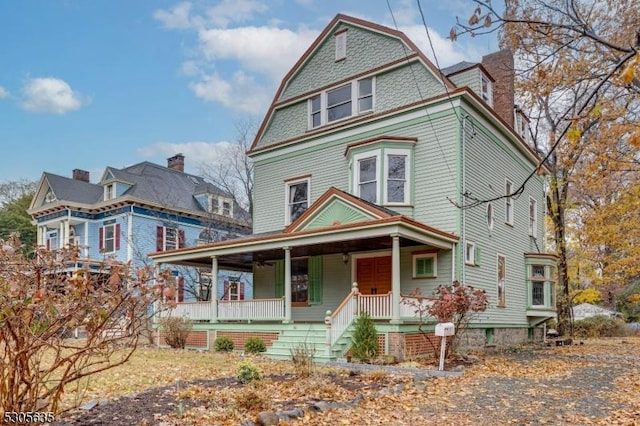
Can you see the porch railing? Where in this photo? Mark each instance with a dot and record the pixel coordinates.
(378, 306)
(196, 311)
(255, 309)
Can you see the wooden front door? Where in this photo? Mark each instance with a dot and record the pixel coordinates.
(373, 275)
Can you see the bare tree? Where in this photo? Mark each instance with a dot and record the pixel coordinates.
(234, 172)
(11, 191)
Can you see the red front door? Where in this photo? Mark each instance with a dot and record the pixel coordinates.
(373, 275)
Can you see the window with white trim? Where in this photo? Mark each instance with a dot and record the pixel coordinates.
(486, 90)
(425, 265)
(538, 277)
(470, 253)
(382, 176)
(533, 217)
(110, 191)
(396, 171)
(109, 238)
(297, 198)
(502, 280)
(341, 102)
(508, 201)
(490, 216)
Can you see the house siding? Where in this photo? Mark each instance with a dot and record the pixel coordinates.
(489, 160)
(471, 78)
(366, 50)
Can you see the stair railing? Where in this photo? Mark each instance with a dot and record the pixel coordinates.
(338, 321)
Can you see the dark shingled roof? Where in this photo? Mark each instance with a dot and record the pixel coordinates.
(74, 190)
(150, 182)
(457, 67)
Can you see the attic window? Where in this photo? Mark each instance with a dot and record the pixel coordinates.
(486, 91)
(109, 192)
(341, 45)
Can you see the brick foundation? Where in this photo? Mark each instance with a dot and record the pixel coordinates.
(239, 338)
(406, 346)
(195, 339)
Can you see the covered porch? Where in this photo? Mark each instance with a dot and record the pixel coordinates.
(341, 257)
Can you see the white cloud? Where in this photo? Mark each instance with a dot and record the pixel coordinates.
(198, 155)
(3, 93)
(51, 95)
(240, 93)
(256, 47)
(177, 18)
(228, 11)
(447, 52)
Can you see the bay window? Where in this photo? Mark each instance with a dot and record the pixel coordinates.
(296, 198)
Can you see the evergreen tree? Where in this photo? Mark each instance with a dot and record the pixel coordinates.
(365, 339)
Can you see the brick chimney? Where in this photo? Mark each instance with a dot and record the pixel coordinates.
(79, 174)
(176, 162)
(500, 65)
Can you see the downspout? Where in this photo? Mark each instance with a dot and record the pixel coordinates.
(130, 235)
(464, 210)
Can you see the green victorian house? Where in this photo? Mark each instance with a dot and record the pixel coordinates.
(362, 163)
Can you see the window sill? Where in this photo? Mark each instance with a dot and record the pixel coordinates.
(339, 122)
(300, 304)
(501, 306)
(509, 224)
(430, 277)
(470, 264)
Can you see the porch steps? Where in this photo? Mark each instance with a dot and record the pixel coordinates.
(311, 335)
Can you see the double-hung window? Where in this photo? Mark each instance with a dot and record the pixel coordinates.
(538, 277)
(297, 198)
(109, 237)
(508, 201)
(368, 179)
(169, 238)
(533, 217)
(341, 102)
(397, 166)
(502, 280)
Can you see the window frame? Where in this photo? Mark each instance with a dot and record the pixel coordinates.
(509, 204)
(540, 280)
(501, 296)
(340, 45)
(490, 216)
(300, 279)
(109, 191)
(354, 100)
(415, 256)
(396, 152)
(377, 154)
(533, 217)
(288, 204)
(470, 256)
(111, 240)
(165, 238)
(486, 89)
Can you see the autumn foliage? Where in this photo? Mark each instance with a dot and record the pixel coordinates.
(43, 301)
(455, 303)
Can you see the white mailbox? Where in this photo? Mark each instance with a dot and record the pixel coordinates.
(445, 329)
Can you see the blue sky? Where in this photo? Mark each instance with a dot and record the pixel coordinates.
(89, 84)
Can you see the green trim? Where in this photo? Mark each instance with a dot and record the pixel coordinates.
(459, 252)
(279, 278)
(336, 210)
(315, 280)
(359, 137)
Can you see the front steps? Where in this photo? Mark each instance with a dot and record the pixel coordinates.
(310, 336)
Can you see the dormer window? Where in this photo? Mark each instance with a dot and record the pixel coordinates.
(486, 90)
(110, 191)
(221, 205)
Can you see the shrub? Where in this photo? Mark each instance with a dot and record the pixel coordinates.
(365, 339)
(176, 330)
(255, 345)
(252, 397)
(248, 372)
(600, 326)
(302, 357)
(223, 344)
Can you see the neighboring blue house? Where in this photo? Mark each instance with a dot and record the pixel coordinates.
(137, 210)
(360, 165)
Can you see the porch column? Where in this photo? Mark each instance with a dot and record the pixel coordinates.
(395, 279)
(287, 285)
(40, 236)
(67, 233)
(214, 289)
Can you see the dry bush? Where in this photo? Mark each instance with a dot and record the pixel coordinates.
(45, 297)
(302, 357)
(253, 397)
(176, 331)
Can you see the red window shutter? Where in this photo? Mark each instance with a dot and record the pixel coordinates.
(117, 236)
(49, 242)
(241, 290)
(101, 238)
(226, 295)
(180, 289)
(159, 238)
(181, 240)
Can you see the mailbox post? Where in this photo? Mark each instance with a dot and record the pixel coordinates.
(444, 329)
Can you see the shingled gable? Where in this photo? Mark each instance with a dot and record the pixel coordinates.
(411, 52)
(336, 207)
